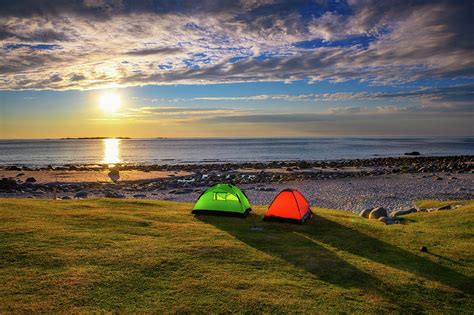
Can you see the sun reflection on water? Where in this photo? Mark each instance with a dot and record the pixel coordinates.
(111, 151)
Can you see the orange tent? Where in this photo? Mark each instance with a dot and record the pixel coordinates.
(289, 206)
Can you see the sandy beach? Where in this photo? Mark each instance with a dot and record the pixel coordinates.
(99, 176)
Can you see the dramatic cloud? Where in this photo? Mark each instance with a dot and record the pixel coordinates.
(455, 93)
(53, 44)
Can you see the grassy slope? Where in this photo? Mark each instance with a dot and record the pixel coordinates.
(154, 255)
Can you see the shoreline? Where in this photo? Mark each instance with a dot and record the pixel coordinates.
(344, 184)
(223, 165)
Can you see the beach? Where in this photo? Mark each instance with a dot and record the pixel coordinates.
(351, 185)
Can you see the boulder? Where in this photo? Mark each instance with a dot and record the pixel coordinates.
(81, 194)
(388, 220)
(8, 184)
(114, 175)
(30, 180)
(403, 212)
(365, 213)
(377, 213)
(447, 207)
(412, 153)
(13, 168)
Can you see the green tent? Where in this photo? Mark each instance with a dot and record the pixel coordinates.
(223, 199)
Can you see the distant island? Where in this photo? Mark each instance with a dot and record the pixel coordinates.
(94, 138)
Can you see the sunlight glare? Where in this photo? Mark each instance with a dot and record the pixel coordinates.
(110, 102)
(111, 151)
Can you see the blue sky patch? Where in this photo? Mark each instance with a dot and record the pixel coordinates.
(362, 41)
(34, 47)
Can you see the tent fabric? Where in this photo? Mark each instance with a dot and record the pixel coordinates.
(223, 199)
(289, 206)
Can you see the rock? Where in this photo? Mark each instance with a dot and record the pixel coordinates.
(8, 184)
(66, 198)
(365, 213)
(388, 220)
(377, 213)
(13, 168)
(447, 207)
(403, 212)
(113, 194)
(413, 153)
(423, 249)
(114, 175)
(30, 180)
(81, 194)
(20, 174)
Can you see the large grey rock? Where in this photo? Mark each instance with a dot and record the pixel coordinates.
(81, 194)
(403, 212)
(365, 213)
(377, 213)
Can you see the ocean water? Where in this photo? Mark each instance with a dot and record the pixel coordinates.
(179, 151)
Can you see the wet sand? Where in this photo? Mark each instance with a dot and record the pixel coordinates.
(100, 176)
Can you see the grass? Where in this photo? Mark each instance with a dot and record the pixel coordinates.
(126, 255)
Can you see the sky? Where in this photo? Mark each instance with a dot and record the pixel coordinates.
(245, 68)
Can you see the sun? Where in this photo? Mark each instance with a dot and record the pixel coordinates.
(110, 102)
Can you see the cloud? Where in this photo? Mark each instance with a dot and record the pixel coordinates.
(127, 43)
(179, 114)
(346, 120)
(154, 51)
(423, 95)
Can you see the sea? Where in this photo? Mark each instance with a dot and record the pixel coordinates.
(55, 152)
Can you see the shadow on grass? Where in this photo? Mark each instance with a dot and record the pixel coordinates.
(305, 247)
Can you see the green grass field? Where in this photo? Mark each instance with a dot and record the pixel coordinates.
(128, 255)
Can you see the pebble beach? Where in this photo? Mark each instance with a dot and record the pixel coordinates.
(350, 185)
